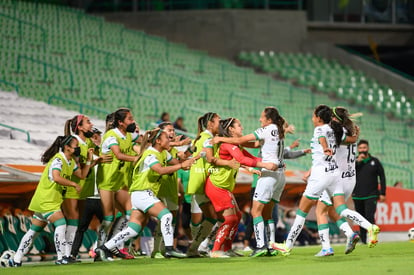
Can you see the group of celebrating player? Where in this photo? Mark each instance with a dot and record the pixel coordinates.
(138, 175)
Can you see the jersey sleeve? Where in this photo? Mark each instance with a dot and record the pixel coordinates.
(207, 143)
(169, 157)
(259, 133)
(238, 155)
(75, 167)
(55, 165)
(108, 143)
(151, 160)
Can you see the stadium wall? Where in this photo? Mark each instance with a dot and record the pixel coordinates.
(222, 33)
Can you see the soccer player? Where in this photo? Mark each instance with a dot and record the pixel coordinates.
(345, 157)
(81, 128)
(168, 192)
(271, 183)
(153, 162)
(113, 177)
(328, 135)
(49, 194)
(221, 182)
(208, 126)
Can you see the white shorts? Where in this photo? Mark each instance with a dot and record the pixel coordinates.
(344, 186)
(171, 205)
(143, 200)
(319, 181)
(270, 186)
(44, 217)
(196, 201)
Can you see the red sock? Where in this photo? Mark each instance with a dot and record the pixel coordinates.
(233, 231)
(224, 231)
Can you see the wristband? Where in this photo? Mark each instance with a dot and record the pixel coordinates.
(88, 162)
(251, 169)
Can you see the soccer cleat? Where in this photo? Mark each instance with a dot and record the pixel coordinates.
(12, 263)
(373, 231)
(204, 251)
(351, 243)
(71, 260)
(157, 255)
(271, 252)
(62, 261)
(257, 252)
(171, 253)
(325, 252)
(127, 256)
(282, 248)
(103, 254)
(138, 253)
(247, 249)
(219, 254)
(233, 253)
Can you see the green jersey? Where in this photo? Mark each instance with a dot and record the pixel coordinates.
(169, 184)
(88, 184)
(184, 175)
(144, 178)
(49, 195)
(113, 176)
(199, 170)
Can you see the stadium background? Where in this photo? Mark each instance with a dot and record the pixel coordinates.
(189, 57)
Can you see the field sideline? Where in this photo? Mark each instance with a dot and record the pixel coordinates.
(386, 258)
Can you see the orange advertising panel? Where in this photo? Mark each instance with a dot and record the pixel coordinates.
(397, 213)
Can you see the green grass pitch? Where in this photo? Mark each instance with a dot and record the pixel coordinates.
(386, 258)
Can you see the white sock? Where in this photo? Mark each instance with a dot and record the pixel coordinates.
(103, 232)
(121, 237)
(271, 230)
(25, 244)
(70, 236)
(60, 241)
(167, 229)
(345, 227)
(295, 230)
(323, 230)
(259, 231)
(355, 217)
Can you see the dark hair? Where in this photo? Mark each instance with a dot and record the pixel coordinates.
(59, 143)
(120, 115)
(273, 114)
(72, 125)
(109, 122)
(224, 126)
(164, 124)
(363, 141)
(202, 123)
(343, 116)
(324, 112)
(163, 115)
(149, 138)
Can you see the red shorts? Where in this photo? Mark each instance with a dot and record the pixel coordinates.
(220, 198)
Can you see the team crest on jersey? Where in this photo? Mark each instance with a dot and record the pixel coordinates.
(372, 163)
(273, 133)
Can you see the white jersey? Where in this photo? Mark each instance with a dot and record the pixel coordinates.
(345, 158)
(319, 159)
(272, 148)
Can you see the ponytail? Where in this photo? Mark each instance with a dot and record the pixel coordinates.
(109, 122)
(273, 114)
(72, 125)
(149, 138)
(202, 123)
(338, 131)
(59, 143)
